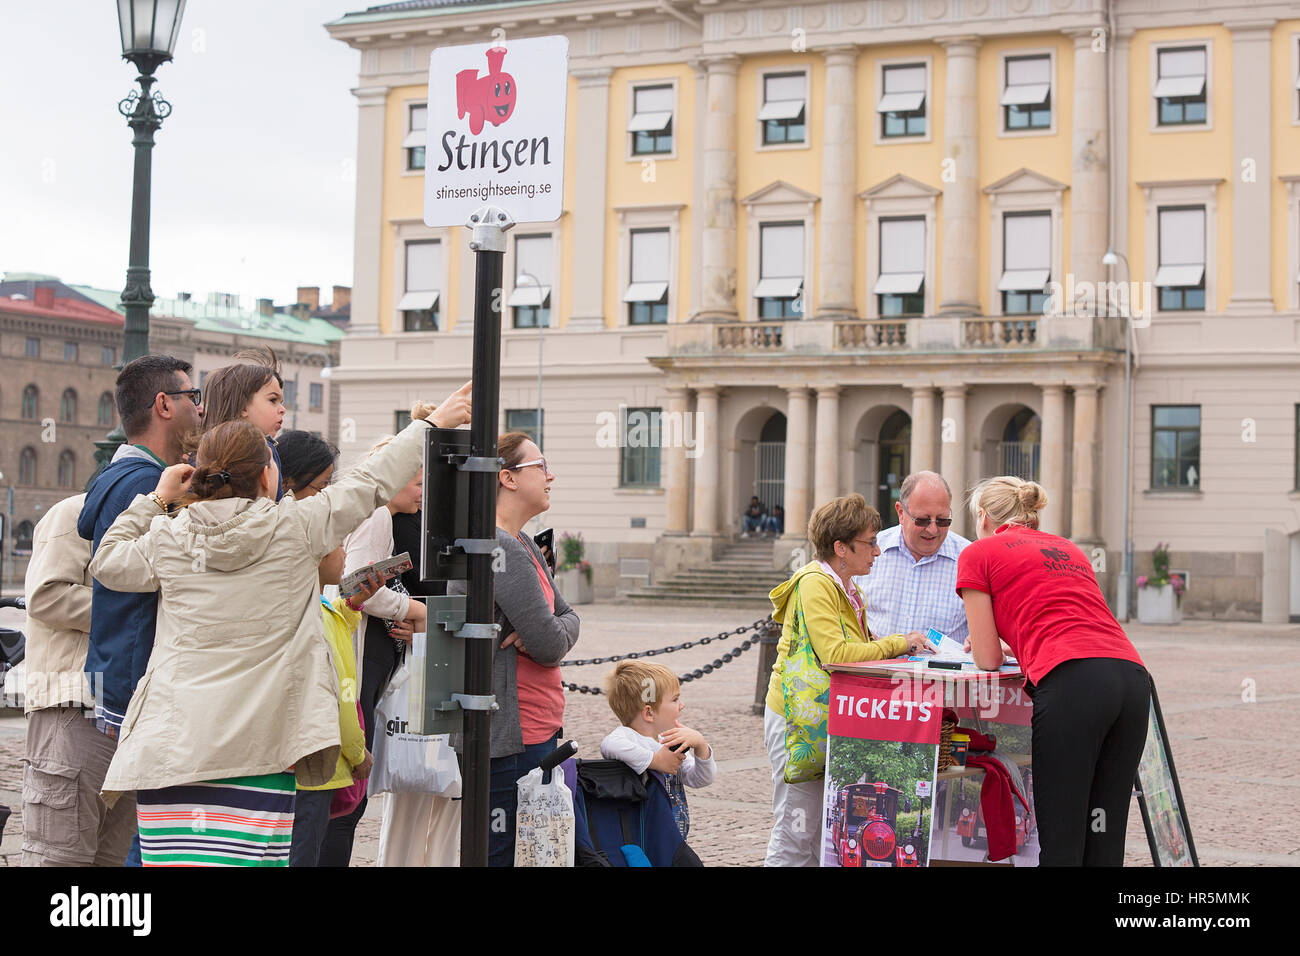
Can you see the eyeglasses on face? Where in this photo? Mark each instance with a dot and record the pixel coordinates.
(529, 464)
(925, 522)
(195, 395)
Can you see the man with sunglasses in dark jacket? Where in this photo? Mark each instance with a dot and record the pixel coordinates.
(158, 406)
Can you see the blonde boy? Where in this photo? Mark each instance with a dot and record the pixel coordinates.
(647, 699)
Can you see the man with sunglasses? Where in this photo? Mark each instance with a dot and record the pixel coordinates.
(912, 585)
(157, 405)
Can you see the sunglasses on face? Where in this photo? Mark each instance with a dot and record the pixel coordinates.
(195, 395)
(925, 522)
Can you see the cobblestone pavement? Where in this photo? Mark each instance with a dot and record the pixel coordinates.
(1239, 789)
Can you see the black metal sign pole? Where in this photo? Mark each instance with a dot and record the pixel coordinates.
(489, 225)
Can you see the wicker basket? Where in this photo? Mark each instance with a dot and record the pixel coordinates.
(945, 744)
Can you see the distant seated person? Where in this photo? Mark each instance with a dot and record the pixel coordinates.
(755, 517)
(912, 586)
(775, 522)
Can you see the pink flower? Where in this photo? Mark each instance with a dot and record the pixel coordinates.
(1142, 580)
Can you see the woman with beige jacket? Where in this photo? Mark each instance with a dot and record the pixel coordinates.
(239, 695)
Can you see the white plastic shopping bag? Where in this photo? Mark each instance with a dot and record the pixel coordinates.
(544, 823)
(406, 762)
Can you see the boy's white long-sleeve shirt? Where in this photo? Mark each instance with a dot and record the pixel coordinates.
(637, 750)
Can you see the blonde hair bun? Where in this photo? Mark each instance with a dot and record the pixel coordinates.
(1032, 497)
(422, 410)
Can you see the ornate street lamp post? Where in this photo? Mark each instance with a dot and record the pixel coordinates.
(149, 29)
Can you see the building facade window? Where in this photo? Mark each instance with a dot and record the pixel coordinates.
(525, 420)
(203, 379)
(1181, 89)
(69, 351)
(419, 303)
(417, 120)
(106, 408)
(1181, 275)
(33, 349)
(900, 288)
(530, 299)
(107, 355)
(23, 537)
(902, 102)
(67, 469)
(647, 292)
(641, 433)
(1296, 452)
(1026, 262)
(27, 466)
(781, 261)
(651, 125)
(783, 116)
(30, 396)
(290, 393)
(401, 418)
(68, 406)
(1175, 446)
(1027, 93)
(315, 396)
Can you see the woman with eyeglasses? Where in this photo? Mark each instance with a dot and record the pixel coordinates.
(538, 629)
(819, 606)
(1091, 692)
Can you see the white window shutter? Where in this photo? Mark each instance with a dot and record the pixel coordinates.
(781, 252)
(1028, 243)
(650, 256)
(423, 265)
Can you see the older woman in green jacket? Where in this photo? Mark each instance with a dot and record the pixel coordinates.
(822, 596)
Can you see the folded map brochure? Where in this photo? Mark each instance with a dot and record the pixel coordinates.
(950, 651)
(389, 567)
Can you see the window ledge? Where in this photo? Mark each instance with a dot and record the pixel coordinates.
(638, 490)
(1175, 492)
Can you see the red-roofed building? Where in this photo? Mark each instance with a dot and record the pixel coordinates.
(58, 350)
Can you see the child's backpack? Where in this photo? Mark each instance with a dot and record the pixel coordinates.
(625, 819)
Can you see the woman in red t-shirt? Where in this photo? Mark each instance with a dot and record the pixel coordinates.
(1091, 693)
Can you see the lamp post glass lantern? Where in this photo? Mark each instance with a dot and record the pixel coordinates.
(148, 33)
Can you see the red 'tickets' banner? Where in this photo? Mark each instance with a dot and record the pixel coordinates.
(876, 708)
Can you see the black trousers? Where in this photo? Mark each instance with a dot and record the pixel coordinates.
(1089, 728)
(378, 663)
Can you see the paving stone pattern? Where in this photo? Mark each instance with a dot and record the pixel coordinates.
(1241, 785)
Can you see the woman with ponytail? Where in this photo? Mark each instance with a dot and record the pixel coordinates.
(239, 698)
(1091, 692)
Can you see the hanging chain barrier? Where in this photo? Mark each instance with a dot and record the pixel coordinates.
(758, 626)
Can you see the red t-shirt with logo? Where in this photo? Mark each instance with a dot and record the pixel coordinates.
(1046, 601)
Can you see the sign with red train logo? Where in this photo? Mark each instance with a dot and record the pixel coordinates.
(495, 130)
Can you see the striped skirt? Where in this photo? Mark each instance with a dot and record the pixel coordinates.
(240, 821)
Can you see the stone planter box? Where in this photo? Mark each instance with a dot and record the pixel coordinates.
(574, 586)
(1158, 605)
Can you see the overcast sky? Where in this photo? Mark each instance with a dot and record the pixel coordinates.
(252, 173)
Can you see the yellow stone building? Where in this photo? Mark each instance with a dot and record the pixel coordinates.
(819, 245)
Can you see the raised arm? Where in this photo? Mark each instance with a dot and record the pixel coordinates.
(124, 561)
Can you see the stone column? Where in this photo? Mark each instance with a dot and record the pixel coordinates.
(590, 160)
(1251, 121)
(718, 249)
(697, 184)
(923, 428)
(1052, 461)
(952, 449)
(961, 240)
(677, 472)
(1083, 501)
(839, 205)
(826, 453)
(369, 235)
(1090, 170)
(706, 465)
(796, 460)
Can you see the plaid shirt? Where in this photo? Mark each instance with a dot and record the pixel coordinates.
(904, 594)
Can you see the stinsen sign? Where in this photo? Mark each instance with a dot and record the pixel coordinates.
(496, 130)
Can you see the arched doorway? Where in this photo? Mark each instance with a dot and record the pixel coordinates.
(895, 462)
(1020, 449)
(769, 462)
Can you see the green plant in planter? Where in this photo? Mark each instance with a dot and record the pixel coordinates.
(572, 551)
(1160, 575)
